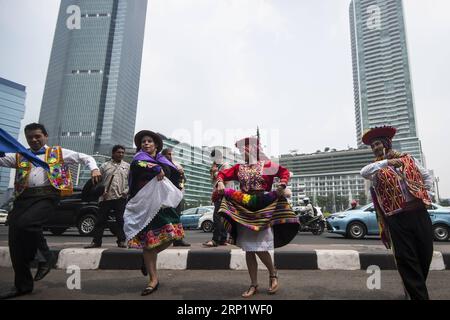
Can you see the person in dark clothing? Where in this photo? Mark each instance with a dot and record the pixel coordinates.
(115, 176)
(219, 232)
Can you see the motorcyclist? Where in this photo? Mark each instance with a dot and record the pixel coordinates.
(309, 209)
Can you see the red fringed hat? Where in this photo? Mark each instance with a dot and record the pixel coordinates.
(378, 132)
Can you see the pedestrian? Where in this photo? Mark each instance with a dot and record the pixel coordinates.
(151, 220)
(168, 153)
(115, 179)
(400, 195)
(37, 193)
(258, 219)
(353, 205)
(219, 237)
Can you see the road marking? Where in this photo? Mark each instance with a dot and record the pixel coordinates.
(175, 259)
(86, 259)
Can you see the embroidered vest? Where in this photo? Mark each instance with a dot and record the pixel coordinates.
(389, 191)
(59, 174)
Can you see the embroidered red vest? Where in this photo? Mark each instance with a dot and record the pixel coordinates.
(388, 189)
(59, 174)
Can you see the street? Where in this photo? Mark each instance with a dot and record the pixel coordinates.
(226, 285)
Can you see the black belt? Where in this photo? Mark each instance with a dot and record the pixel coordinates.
(40, 192)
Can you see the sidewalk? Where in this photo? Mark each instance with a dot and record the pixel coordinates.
(196, 257)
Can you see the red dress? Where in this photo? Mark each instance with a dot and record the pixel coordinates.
(256, 177)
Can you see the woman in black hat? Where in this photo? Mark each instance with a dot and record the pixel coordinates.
(151, 222)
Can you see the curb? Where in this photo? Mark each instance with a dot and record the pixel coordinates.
(195, 259)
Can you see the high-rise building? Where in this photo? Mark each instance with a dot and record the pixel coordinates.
(382, 82)
(12, 109)
(90, 97)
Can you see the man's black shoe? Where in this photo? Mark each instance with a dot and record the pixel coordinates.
(45, 267)
(93, 245)
(13, 293)
(181, 243)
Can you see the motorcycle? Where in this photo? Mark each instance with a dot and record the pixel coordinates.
(315, 224)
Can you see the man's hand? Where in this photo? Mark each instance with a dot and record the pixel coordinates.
(160, 175)
(397, 163)
(96, 176)
(220, 187)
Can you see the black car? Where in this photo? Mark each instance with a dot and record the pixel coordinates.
(72, 211)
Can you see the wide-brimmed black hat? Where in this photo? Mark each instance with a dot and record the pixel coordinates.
(156, 139)
(92, 192)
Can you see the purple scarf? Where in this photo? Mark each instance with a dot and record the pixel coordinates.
(159, 159)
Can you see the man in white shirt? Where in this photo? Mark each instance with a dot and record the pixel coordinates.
(36, 198)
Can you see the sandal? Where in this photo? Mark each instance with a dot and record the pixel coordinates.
(273, 290)
(252, 290)
(210, 244)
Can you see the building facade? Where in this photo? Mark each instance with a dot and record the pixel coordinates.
(333, 174)
(383, 90)
(12, 110)
(91, 91)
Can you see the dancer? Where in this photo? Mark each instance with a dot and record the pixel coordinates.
(259, 220)
(151, 222)
(37, 194)
(400, 196)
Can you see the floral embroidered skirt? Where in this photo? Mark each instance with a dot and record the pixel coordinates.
(269, 223)
(164, 227)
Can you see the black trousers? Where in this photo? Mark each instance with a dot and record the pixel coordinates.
(105, 207)
(25, 235)
(219, 232)
(412, 239)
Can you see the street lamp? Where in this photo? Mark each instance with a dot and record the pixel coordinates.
(438, 198)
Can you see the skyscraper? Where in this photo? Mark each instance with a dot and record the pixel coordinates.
(382, 82)
(90, 97)
(12, 109)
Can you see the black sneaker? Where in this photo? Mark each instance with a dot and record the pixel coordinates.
(181, 243)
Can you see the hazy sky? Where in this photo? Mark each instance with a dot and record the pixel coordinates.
(213, 66)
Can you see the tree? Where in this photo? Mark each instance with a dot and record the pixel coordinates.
(362, 198)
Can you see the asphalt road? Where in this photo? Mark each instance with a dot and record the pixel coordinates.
(197, 236)
(226, 285)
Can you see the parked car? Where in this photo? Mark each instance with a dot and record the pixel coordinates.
(72, 211)
(3, 216)
(198, 218)
(360, 222)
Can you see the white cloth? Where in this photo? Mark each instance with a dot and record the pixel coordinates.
(254, 241)
(38, 176)
(144, 206)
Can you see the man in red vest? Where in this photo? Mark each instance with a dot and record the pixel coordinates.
(400, 195)
(37, 193)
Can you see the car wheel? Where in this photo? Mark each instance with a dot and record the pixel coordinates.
(440, 232)
(356, 230)
(86, 224)
(57, 231)
(207, 226)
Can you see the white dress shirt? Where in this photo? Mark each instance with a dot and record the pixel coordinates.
(38, 176)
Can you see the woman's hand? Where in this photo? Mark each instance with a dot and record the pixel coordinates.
(397, 163)
(160, 175)
(220, 187)
(280, 190)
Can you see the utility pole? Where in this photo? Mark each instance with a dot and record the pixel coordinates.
(438, 198)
